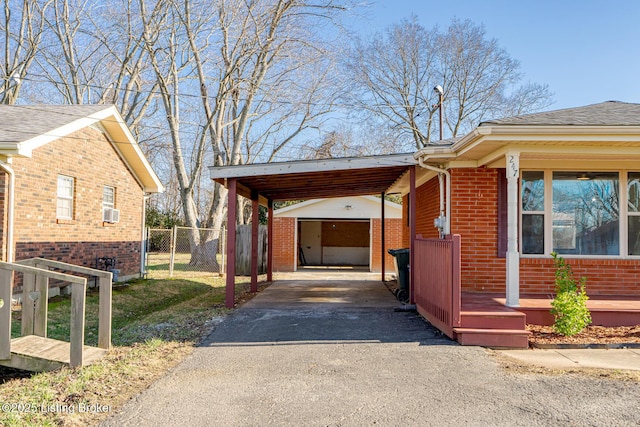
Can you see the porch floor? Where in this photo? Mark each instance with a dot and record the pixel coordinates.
(606, 310)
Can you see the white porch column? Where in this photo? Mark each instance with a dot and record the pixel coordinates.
(513, 256)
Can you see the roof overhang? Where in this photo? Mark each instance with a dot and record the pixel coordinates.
(314, 179)
(487, 145)
(116, 130)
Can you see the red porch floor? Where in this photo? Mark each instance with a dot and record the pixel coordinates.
(485, 320)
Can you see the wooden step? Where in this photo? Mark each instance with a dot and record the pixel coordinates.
(493, 320)
(494, 338)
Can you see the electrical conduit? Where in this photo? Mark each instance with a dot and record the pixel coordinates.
(443, 197)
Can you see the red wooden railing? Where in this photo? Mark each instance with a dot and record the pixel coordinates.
(437, 281)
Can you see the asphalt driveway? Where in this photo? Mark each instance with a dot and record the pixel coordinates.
(335, 353)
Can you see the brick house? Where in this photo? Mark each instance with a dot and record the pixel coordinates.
(565, 181)
(337, 231)
(73, 182)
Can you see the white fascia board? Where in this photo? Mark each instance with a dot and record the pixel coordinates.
(524, 138)
(307, 166)
(27, 147)
(393, 208)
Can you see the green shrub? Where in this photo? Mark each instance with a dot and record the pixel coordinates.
(569, 307)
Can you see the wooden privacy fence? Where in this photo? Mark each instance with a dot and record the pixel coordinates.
(437, 281)
(33, 350)
(243, 249)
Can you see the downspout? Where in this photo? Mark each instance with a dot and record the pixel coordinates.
(10, 212)
(445, 207)
(143, 242)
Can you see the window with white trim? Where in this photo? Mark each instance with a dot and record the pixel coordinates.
(577, 213)
(108, 197)
(533, 212)
(64, 207)
(633, 207)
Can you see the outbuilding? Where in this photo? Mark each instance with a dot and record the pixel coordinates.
(335, 232)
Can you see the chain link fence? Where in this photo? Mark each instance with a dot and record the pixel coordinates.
(184, 252)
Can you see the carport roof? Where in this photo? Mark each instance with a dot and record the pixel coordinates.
(311, 179)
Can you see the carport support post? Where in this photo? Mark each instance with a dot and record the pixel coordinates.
(412, 231)
(255, 221)
(270, 241)
(232, 186)
(382, 234)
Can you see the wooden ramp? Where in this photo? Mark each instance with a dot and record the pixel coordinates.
(34, 353)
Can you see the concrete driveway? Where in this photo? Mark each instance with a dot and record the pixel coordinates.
(335, 353)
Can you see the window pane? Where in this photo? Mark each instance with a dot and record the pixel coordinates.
(533, 191)
(586, 213)
(65, 186)
(634, 235)
(533, 234)
(64, 209)
(108, 196)
(634, 191)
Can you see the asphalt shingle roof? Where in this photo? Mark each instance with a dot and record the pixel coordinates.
(610, 113)
(20, 123)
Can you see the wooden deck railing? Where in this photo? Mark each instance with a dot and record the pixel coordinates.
(36, 275)
(437, 281)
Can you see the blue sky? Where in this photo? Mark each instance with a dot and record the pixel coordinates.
(586, 51)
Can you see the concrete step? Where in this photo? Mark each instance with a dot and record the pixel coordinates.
(495, 338)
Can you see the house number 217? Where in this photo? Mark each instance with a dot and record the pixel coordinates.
(512, 166)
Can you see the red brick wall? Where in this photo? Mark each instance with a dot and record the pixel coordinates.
(474, 216)
(88, 157)
(604, 276)
(393, 240)
(474, 212)
(427, 209)
(284, 244)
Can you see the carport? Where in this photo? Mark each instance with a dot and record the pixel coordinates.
(308, 179)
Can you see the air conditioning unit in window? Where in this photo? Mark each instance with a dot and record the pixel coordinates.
(110, 215)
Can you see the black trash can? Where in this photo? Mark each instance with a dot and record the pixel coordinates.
(402, 268)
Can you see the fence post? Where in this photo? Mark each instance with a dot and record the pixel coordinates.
(172, 249)
(145, 252)
(78, 299)
(28, 303)
(41, 304)
(105, 311)
(6, 291)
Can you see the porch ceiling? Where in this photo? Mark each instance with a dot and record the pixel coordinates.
(317, 178)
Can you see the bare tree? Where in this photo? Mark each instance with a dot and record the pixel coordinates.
(199, 82)
(244, 60)
(395, 74)
(21, 27)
